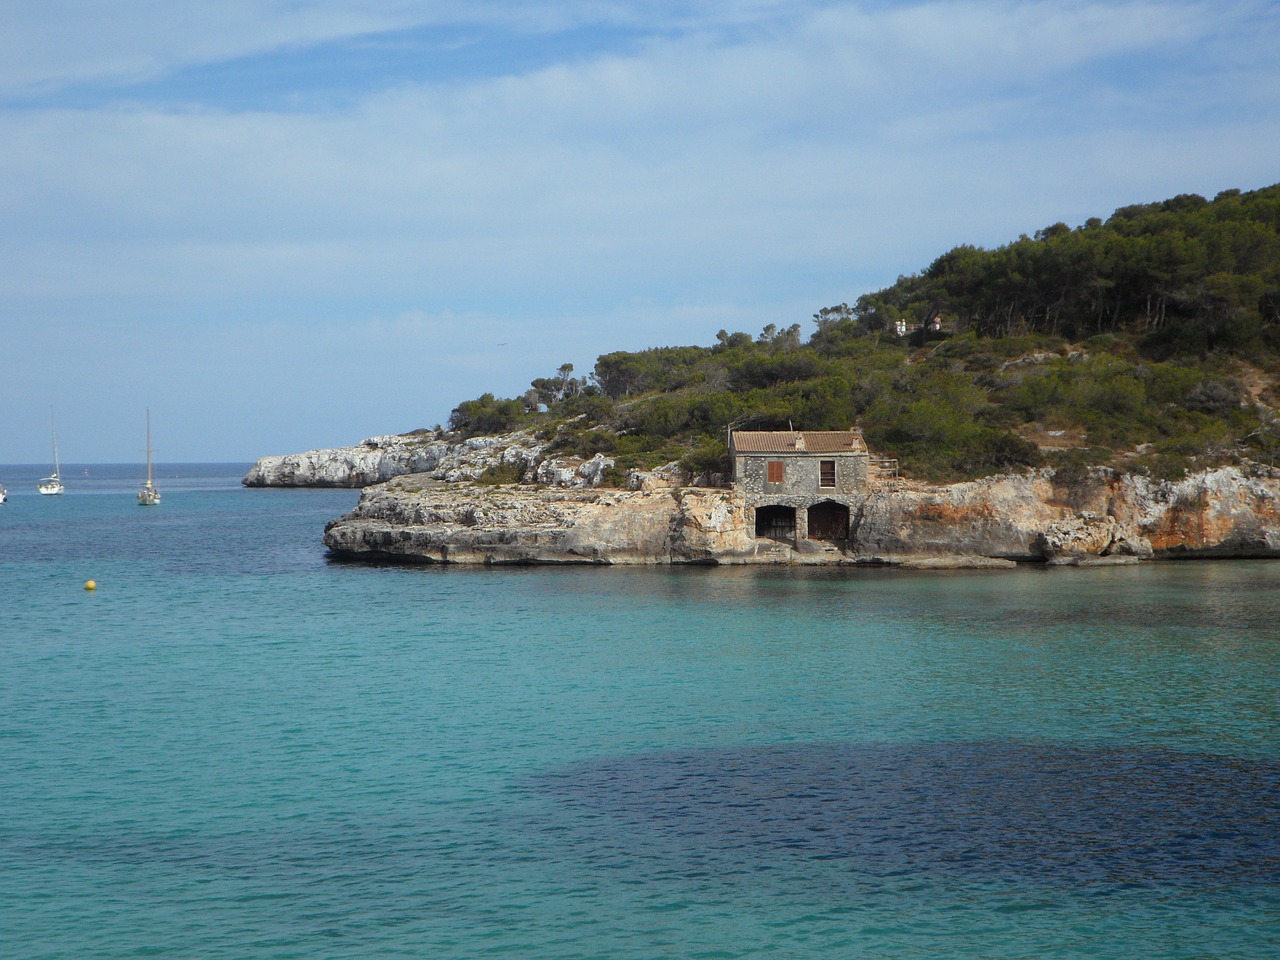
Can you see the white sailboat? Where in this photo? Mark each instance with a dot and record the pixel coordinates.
(149, 496)
(52, 484)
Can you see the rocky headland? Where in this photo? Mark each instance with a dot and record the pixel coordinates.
(1079, 363)
(430, 453)
(559, 514)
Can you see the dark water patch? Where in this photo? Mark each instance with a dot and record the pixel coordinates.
(1078, 815)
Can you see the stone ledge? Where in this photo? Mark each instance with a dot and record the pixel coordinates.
(994, 523)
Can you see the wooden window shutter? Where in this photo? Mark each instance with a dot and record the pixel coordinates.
(826, 473)
(775, 471)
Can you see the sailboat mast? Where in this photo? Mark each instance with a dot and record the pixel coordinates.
(53, 433)
(52, 485)
(149, 496)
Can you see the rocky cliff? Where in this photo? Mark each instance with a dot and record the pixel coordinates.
(437, 455)
(1106, 518)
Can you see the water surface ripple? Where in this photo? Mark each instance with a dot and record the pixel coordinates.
(235, 749)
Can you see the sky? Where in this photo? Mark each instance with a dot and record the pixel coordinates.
(288, 224)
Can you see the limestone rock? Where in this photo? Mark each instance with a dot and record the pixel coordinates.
(958, 562)
(374, 460)
(1216, 513)
(1000, 516)
(573, 472)
(995, 521)
(666, 477)
(437, 455)
(1085, 534)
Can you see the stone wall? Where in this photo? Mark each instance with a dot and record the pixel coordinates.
(800, 477)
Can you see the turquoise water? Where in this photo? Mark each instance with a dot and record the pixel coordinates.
(236, 748)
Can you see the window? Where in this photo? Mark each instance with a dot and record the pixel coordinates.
(826, 473)
(775, 471)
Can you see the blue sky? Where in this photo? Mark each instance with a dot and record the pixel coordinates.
(285, 225)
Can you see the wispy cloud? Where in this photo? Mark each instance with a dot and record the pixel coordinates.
(48, 44)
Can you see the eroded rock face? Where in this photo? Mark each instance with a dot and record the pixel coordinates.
(1000, 517)
(988, 522)
(447, 523)
(380, 458)
(572, 472)
(1212, 514)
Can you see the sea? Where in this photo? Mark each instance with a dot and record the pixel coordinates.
(238, 747)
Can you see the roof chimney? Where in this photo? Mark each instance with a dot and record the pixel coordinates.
(800, 441)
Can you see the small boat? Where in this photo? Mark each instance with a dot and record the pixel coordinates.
(4, 494)
(52, 485)
(149, 496)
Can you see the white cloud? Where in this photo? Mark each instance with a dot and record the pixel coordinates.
(752, 163)
(49, 44)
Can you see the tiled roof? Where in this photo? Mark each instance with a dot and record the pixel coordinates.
(784, 441)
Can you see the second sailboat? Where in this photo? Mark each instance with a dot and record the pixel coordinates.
(149, 496)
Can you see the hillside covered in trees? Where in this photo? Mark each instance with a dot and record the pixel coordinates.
(1149, 342)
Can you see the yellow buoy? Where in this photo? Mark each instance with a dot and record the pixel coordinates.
(91, 585)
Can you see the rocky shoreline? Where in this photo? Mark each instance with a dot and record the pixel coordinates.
(421, 503)
(428, 452)
(994, 522)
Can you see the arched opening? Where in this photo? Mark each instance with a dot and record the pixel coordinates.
(776, 522)
(829, 521)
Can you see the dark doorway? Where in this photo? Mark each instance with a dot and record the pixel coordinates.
(776, 522)
(828, 521)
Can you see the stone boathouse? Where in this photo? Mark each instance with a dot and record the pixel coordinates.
(800, 484)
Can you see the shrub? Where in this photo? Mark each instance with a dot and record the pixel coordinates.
(1216, 397)
(485, 415)
(1071, 467)
(709, 456)
(1161, 466)
(505, 472)
(593, 407)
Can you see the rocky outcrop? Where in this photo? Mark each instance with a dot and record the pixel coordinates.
(999, 517)
(448, 523)
(1218, 513)
(572, 472)
(995, 521)
(518, 456)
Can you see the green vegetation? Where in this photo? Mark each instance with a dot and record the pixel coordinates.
(1150, 342)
